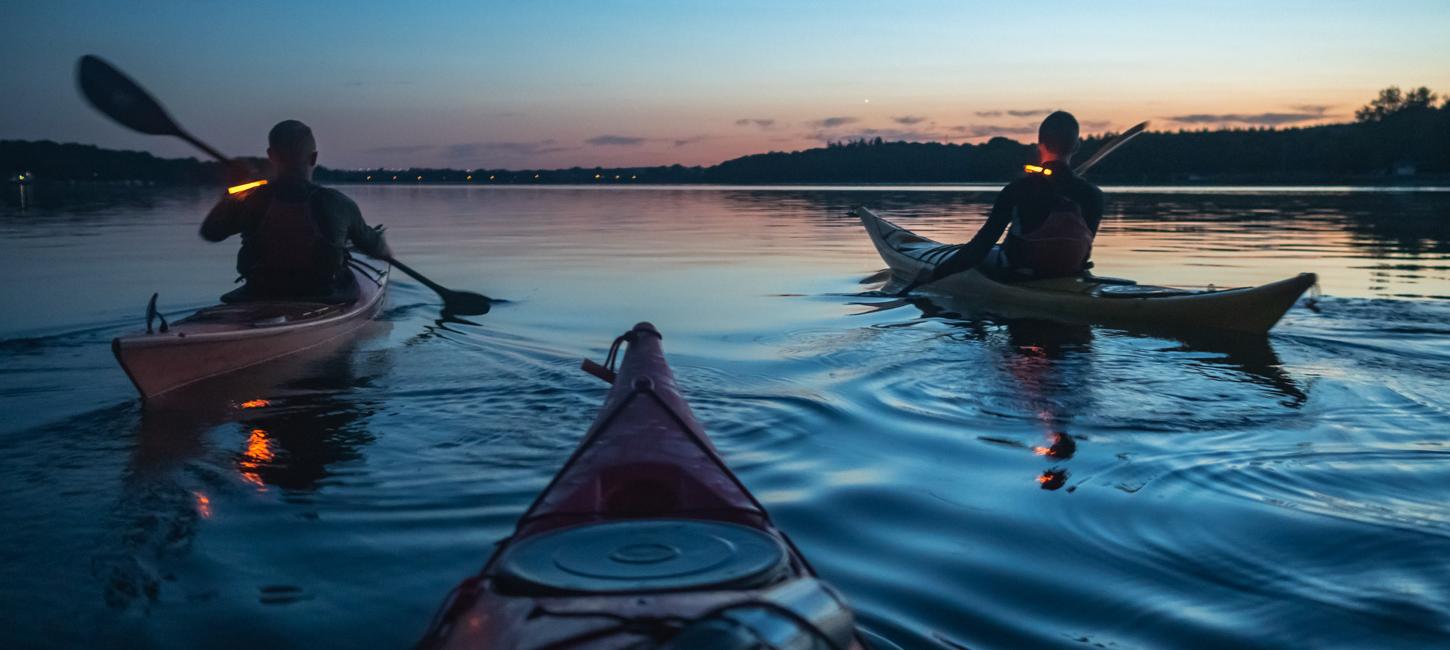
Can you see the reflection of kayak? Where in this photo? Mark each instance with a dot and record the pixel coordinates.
(644, 540)
(1250, 309)
(225, 338)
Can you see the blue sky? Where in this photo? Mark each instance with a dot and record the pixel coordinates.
(474, 84)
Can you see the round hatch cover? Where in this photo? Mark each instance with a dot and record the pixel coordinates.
(643, 555)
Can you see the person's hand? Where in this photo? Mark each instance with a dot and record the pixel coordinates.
(384, 250)
(924, 277)
(240, 171)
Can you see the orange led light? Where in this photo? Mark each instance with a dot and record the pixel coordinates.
(238, 189)
(1037, 169)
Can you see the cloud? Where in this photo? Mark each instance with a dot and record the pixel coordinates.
(1317, 109)
(1257, 119)
(908, 120)
(993, 130)
(762, 122)
(889, 135)
(682, 142)
(833, 122)
(473, 150)
(616, 141)
(1096, 125)
(400, 150)
(1016, 112)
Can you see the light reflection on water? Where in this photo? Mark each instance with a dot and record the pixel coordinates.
(1287, 490)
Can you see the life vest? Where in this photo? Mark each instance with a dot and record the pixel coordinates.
(293, 256)
(1060, 246)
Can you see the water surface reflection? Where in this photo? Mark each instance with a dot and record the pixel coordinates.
(964, 479)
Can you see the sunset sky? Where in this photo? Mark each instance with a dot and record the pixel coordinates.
(557, 84)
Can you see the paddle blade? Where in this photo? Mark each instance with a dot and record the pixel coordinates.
(466, 303)
(121, 99)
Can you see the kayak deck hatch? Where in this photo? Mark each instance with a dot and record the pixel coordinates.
(644, 539)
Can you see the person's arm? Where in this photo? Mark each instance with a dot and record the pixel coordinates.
(224, 220)
(1093, 211)
(976, 250)
(367, 239)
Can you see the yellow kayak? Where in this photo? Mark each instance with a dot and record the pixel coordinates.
(1085, 298)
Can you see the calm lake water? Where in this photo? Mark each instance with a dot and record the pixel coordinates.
(1289, 491)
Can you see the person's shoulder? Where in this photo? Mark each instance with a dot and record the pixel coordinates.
(253, 200)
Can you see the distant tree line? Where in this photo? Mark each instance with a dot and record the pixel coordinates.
(1397, 134)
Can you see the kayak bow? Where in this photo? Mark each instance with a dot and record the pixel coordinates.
(645, 539)
(226, 338)
(1086, 298)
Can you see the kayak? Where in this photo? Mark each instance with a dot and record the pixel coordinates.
(644, 539)
(225, 338)
(1086, 297)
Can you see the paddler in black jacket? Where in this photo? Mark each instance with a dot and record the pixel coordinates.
(294, 232)
(1050, 216)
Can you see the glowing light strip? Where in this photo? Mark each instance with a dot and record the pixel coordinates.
(238, 189)
(1037, 169)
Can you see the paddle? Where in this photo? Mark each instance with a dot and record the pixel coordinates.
(457, 303)
(1081, 169)
(118, 97)
(1110, 147)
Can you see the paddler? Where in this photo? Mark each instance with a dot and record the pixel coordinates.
(1050, 216)
(294, 233)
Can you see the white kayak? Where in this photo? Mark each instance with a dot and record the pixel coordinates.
(225, 338)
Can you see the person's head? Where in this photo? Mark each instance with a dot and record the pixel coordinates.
(1057, 138)
(292, 149)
